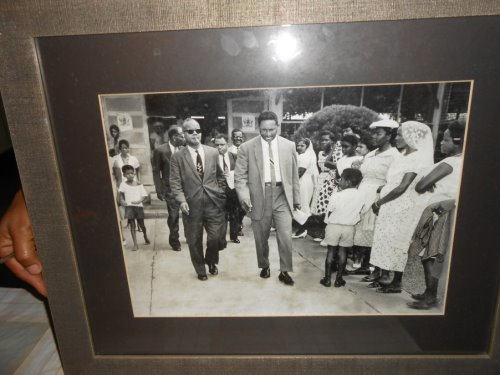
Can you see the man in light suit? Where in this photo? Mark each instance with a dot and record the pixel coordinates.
(199, 185)
(267, 183)
(161, 176)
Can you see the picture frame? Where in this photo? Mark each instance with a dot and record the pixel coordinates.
(27, 100)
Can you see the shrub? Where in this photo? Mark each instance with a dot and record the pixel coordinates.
(335, 118)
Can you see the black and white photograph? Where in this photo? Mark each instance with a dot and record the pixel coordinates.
(290, 201)
(255, 187)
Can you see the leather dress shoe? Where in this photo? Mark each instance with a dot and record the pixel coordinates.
(212, 268)
(235, 240)
(265, 273)
(175, 247)
(284, 277)
(202, 277)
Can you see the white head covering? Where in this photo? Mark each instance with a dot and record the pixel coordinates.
(309, 160)
(419, 137)
(385, 123)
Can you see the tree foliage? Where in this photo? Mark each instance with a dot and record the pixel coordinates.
(335, 118)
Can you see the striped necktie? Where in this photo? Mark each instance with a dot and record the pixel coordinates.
(271, 165)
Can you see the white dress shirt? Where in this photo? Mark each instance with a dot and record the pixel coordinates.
(173, 149)
(267, 164)
(230, 174)
(233, 149)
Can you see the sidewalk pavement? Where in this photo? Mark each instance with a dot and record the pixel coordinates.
(163, 282)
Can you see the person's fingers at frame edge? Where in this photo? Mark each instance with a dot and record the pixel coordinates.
(36, 281)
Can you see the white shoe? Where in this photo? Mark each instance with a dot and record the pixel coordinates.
(273, 229)
(302, 235)
(317, 239)
(323, 243)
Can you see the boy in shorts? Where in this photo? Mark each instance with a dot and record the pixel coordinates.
(342, 214)
(132, 195)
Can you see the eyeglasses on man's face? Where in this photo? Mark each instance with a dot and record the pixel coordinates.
(192, 131)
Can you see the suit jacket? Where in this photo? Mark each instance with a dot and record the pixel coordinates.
(161, 169)
(186, 184)
(249, 174)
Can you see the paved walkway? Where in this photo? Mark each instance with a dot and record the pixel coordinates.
(163, 282)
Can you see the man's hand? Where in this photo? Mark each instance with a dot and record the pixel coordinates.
(440, 258)
(16, 237)
(246, 205)
(185, 208)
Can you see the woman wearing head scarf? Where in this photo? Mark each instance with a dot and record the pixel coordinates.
(397, 207)
(308, 176)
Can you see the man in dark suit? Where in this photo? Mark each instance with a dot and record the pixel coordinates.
(198, 184)
(161, 174)
(227, 161)
(267, 183)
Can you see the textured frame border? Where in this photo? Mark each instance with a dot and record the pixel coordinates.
(21, 21)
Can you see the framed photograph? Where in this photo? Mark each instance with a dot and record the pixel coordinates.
(65, 84)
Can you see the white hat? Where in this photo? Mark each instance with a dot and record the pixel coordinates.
(385, 123)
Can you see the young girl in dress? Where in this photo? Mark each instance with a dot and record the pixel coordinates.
(349, 145)
(439, 188)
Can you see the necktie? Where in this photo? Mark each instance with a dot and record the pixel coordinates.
(271, 165)
(224, 164)
(199, 165)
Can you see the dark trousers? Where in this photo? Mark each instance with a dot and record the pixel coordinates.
(234, 214)
(173, 222)
(209, 217)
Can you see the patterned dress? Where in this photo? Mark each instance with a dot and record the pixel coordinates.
(326, 181)
(398, 218)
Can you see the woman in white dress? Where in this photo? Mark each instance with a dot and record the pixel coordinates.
(374, 167)
(397, 208)
(118, 161)
(308, 177)
(124, 158)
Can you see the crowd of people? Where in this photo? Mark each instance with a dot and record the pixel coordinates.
(372, 197)
(382, 201)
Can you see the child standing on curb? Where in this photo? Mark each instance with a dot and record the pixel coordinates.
(343, 213)
(132, 195)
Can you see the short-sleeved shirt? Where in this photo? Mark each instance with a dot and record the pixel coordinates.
(133, 193)
(345, 207)
(132, 160)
